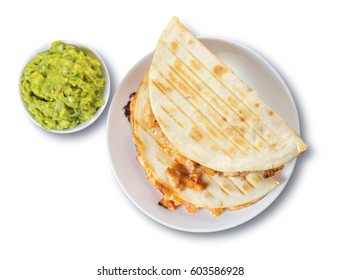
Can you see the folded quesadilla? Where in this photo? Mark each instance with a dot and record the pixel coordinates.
(203, 137)
(209, 115)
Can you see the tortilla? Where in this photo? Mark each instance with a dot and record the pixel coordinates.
(209, 114)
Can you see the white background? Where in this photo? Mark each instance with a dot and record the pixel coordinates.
(62, 213)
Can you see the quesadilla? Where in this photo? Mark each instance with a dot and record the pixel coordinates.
(209, 115)
(182, 181)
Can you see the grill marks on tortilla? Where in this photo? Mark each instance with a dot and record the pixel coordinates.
(213, 125)
(217, 72)
(183, 79)
(191, 90)
(209, 133)
(228, 187)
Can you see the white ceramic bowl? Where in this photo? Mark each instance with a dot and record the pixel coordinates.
(106, 93)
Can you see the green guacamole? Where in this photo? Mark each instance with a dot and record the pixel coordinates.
(62, 87)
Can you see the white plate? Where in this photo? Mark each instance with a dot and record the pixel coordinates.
(106, 92)
(257, 73)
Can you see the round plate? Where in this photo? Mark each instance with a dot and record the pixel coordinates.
(106, 92)
(258, 74)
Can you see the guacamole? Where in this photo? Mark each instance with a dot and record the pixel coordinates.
(62, 87)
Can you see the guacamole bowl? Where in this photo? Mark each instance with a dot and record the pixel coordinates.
(64, 86)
